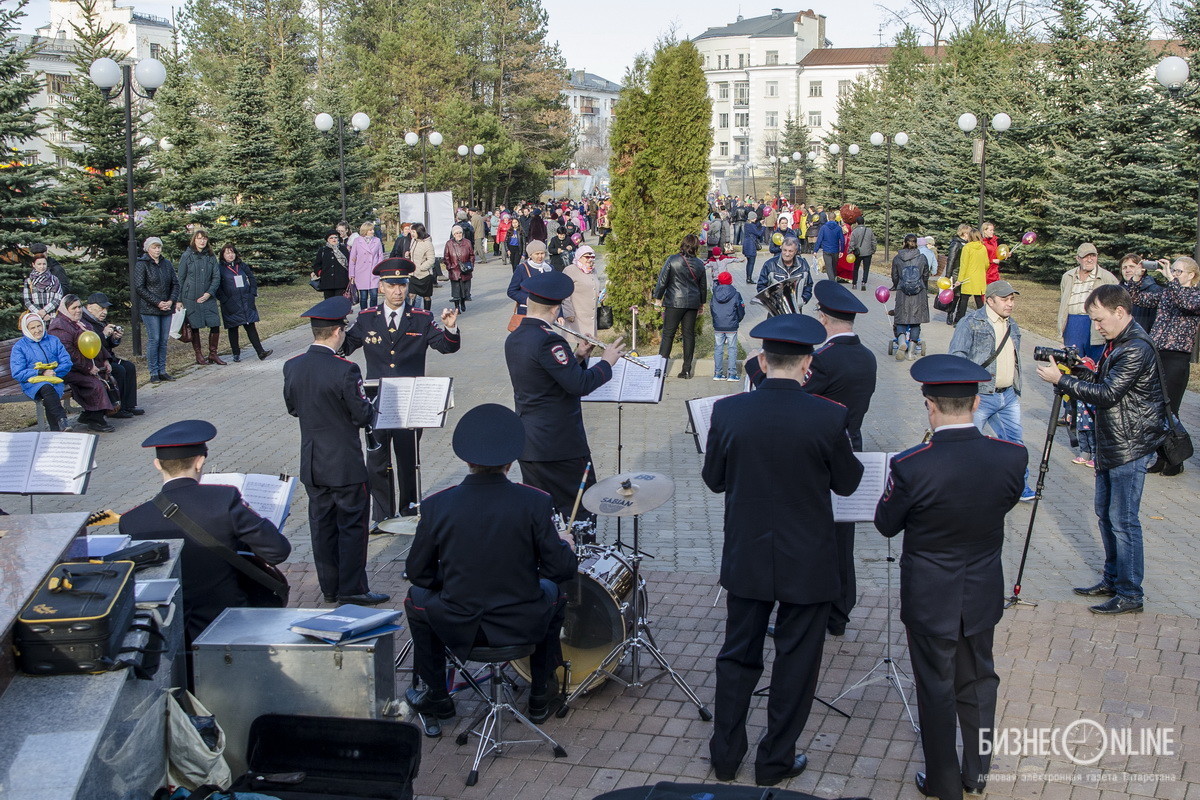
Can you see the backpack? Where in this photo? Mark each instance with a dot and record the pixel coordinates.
(910, 279)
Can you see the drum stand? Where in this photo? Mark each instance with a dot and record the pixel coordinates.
(639, 638)
(405, 524)
(620, 545)
(890, 673)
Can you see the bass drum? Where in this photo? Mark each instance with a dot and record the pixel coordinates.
(599, 613)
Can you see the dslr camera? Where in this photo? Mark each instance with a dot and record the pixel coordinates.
(1067, 356)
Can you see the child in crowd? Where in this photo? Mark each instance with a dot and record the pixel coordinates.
(1085, 424)
(728, 310)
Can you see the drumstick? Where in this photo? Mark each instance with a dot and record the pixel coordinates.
(579, 495)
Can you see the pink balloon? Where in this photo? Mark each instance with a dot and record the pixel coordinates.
(1029, 238)
(883, 294)
(704, 226)
(946, 296)
(576, 238)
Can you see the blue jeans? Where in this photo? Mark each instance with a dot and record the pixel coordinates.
(725, 354)
(912, 331)
(158, 330)
(1118, 502)
(1079, 333)
(750, 258)
(1002, 410)
(367, 298)
(416, 301)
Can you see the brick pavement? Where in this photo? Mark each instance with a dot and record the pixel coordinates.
(1056, 661)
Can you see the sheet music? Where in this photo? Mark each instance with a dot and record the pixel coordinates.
(631, 383)
(700, 411)
(610, 392)
(395, 394)
(16, 454)
(419, 402)
(268, 496)
(860, 506)
(61, 463)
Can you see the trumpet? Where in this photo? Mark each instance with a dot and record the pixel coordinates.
(592, 340)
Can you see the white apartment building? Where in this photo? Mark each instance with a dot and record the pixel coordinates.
(592, 100)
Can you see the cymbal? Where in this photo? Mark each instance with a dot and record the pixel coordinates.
(628, 494)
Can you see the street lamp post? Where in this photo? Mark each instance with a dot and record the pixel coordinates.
(360, 122)
(835, 149)
(469, 153)
(968, 122)
(778, 161)
(1172, 72)
(411, 139)
(901, 140)
(108, 75)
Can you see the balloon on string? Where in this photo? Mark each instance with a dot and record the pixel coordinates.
(944, 283)
(777, 239)
(704, 227)
(883, 294)
(88, 344)
(1002, 252)
(946, 296)
(1029, 238)
(576, 238)
(851, 258)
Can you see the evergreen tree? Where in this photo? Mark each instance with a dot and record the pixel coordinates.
(1185, 22)
(185, 120)
(796, 139)
(24, 194)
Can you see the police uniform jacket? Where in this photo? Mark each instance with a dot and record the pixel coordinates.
(400, 354)
(326, 392)
(483, 569)
(210, 585)
(844, 371)
(777, 453)
(950, 496)
(548, 381)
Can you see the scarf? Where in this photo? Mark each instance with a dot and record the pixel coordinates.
(26, 319)
(340, 256)
(44, 281)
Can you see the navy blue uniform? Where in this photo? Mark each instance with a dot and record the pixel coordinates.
(548, 381)
(780, 547)
(210, 585)
(950, 497)
(326, 392)
(396, 352)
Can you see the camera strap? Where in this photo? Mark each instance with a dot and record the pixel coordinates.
(999, 347)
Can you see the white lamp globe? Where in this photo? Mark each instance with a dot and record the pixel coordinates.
(835, 148)
(463, 150)
(477, 150)
(877, 139)
(165, 144)
(797, 155)
(411, 139)
(435, 139)
(901, 139)
(967, 122)
(854, 149)
(772, 159)
(1001, 122)
(150, 73)
(360, 121)
(105, 73)
(783, 159)
(324, 122)
(1172, 72)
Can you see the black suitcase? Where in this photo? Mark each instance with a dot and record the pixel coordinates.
(77, 620)
(295, 757)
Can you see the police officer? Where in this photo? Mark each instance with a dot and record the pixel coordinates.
(950, 497)
(326, 392)
(780, 547)
(395, 337)
(487, 578)
(210, 584)
(843, 370)
(548, 380)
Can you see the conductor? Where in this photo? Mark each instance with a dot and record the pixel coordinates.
(950, 497)
(780, 547)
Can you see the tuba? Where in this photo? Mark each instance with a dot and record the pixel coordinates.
(782, 297)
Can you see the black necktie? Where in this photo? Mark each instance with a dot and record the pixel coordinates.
(392, 321)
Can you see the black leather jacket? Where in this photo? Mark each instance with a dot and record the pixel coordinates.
(952, 257)
(1128, 395)
(682, 282)
(153, 284)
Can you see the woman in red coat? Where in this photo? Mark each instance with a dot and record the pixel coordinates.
(88, 375)
(992, 244)
(459, 260)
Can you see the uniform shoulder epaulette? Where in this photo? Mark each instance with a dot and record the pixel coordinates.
(828, 400)
(1005, 441)
(342, 358)
(371, 310)
(912, 451)
(536, 489)
(420, 311)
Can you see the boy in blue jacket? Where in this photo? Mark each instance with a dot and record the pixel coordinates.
(727, 312)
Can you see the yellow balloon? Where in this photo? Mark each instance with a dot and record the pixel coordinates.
(777, 238)
(88, 344)
(851, 258)
(944, 283)
(1002, 252)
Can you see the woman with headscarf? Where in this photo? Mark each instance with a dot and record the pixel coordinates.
(199, 279)
(88, 376)
(331, 266)
(579, 310)
(40, 363)
(560, 249)
(459, 258)
(537, 226)
(42, 291)
(682, 291)
(420, 285)
(157, 289)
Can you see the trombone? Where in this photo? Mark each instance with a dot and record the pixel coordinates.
(592, 340)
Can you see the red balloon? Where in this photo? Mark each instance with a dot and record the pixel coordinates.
(946, 296)
(883, 294)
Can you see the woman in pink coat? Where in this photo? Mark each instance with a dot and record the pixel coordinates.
(365, 254)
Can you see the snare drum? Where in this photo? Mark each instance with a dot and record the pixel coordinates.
(599, 613)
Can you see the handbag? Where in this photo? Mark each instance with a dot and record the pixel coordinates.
(351, 291)
(1176, 448)
(515, 321)
(938, 305)
(604, 318)
(467, 268)
(186, 332)
(315, 283)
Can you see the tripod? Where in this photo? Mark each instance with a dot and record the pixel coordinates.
(1043, 468)
(890, 673)
(639, 639)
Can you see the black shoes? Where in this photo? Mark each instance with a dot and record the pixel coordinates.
(923, 787)
(797, 767)
(542, 706)
(838, 629)
(424, 703)
(1158, 465)
(1101, 589)
(136, 411)
(1169, 471)
(166, 377)
(155, 379)
(725, 775)
(237, 358)
(367, 599)
(123, 414)
(330, 598)
(263, 355)
(1118, 605)
(100, 427)
(771, 631)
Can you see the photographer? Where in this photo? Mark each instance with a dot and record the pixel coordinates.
(124, 373)
(1126, 390)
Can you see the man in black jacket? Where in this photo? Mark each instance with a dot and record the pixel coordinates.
(326, 392)
(487, 579)
(950, 496)
(780, 547)
(210, 583)
(788, 264)
(124, 373)
(1131, 423)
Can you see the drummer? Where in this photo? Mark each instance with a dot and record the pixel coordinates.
(788, 264)
(491, 579)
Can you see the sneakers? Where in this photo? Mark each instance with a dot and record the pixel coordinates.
(1079, 460)
(718, 376)
(1027, 495)
(901, 350)
(734, 378)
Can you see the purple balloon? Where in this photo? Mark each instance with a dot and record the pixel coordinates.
(1029, 238)
(883, 294)
(946, 296)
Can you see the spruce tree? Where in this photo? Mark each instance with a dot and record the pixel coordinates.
(186, 120)
(1185, 23)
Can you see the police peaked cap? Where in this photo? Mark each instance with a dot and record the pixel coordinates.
(944, 375)
(789, 334)
(489, 435)
(182, 439)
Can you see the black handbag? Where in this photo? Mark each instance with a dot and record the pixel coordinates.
(604, 318)
(1177, 447)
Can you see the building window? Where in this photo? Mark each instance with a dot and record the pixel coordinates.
(588, 105)
(772, 88)
(726, 61)
(58, 85)
(814, 119)
(155, 50)
(724, 149)
(772, 58)
(772, 119)
(741, 119)
(741, 93)
(62, 162)
(722, 120)
(722, 91)
(771, 149)
(844, 87)
(741, 60)
(814, 89)
(743, 148)
(814, 151)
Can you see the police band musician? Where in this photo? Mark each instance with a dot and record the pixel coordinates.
(394, 337)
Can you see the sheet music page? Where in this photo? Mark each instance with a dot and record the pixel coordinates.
(611, 391)
(860, 506)
(16, 454)
(269, 496)
(60, 463)
(643, 385)
(700, 411)
(235, 479)
(428, 404)
(395, 395)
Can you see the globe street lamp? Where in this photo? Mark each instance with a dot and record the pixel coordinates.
(835, 149)
(108, 75)
(1172, 72)
(324, 122)
(570, 178)
(412, 139)
(967, 123)
(877, 140)
(469, 153)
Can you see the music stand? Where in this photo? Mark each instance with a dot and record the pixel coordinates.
(47, 462)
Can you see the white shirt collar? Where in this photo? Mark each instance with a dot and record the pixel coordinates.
(953, 426)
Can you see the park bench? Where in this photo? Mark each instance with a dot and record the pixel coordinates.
(10, 388)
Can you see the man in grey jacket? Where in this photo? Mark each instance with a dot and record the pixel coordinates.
(862, 245)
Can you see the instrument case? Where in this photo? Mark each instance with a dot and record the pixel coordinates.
(77, 620)
(295, 757)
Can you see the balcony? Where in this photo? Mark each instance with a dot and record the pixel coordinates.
(589, 110)
(741, 102)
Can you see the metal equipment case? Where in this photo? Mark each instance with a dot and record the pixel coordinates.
(247, 663)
